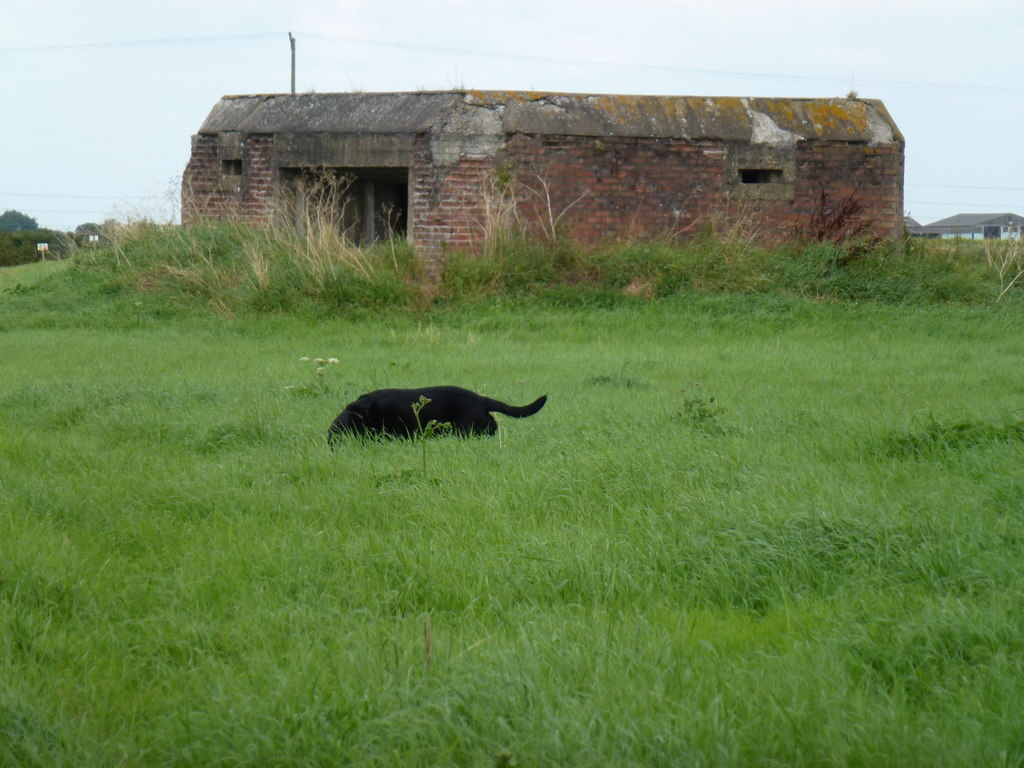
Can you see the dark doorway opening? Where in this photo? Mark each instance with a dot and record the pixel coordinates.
(363, 204)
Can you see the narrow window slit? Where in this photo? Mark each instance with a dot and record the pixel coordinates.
(760, 175)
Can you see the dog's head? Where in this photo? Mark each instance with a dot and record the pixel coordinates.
(353, 420)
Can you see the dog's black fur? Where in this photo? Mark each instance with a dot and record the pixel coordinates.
(389, 412)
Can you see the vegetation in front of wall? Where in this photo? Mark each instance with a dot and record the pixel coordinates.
(909, 272)
(235, 268)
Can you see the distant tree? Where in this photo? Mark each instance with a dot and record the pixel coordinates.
(16, 221)
(89, 228)
(88, 233)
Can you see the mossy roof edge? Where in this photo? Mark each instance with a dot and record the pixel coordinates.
(534, 112)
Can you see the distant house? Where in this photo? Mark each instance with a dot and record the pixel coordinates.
(977, 226)
(914, 227)
(430, 163)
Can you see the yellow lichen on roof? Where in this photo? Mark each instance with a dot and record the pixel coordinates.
(621, 110)
(729, 105)
(782, 112)
(844, 117)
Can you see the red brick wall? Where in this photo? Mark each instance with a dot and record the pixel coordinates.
(612, 188)
(623, 188)
(447, 210)
(873, 174)
(258, 173)
(200, 197)
(205, 196)
(601, 188)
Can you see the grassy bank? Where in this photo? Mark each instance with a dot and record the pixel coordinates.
(745, 530)
(237, 269)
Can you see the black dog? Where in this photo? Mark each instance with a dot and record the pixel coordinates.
(389, 412)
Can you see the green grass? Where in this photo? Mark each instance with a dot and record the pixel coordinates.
(27, 275)
(745, 530)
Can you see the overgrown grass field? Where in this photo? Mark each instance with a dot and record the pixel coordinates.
(745, 530)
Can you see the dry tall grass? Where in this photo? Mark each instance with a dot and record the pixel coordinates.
(1006, 259)
(307, 249)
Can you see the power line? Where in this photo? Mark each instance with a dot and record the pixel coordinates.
(135, 43)
(844, 81)
(80, 197)
(966, 186)
(974, 87)
(1003, 206)
(77, 213)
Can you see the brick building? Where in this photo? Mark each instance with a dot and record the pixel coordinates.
(443, 166)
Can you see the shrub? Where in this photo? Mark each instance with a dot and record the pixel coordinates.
(838, 221)
(20, 247)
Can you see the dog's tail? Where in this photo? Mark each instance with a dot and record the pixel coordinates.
(518, 411)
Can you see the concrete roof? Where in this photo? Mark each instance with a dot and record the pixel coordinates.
(758, 120)
(329, 112)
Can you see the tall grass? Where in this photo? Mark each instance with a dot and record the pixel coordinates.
(1006, 259)
(746, 530)
(235, 268)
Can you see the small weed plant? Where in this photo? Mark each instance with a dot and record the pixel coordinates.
(701, 411)
(426, 431)
(319, 373)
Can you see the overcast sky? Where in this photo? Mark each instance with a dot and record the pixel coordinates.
(100, 99)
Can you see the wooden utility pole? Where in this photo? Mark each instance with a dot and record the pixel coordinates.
(292, 41)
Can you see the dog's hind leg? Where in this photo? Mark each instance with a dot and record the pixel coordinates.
(484, 425)
(478, 425)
